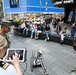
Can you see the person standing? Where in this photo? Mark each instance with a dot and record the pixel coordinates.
(3, 31)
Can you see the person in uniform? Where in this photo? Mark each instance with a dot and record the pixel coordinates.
(3, 31)
(6, 68)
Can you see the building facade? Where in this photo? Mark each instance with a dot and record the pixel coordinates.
(69, 8)
(29, 6)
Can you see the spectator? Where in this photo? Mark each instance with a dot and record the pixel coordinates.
(33, 30)
(64, 33)
(9, 69)
(25, 30)
(43, 26)
(73, 29)
(47, 32)
(58, 29)
(74, 44)
(16, 24)
(38, 31)
(54, 23)
(22, 26)
(16, 28)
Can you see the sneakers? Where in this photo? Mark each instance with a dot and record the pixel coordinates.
(45, 40)
(48, 38)
(35, 37)
(31, 37)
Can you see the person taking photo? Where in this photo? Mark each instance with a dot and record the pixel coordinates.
(5, 67)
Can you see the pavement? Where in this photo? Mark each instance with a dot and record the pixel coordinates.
(58, 59)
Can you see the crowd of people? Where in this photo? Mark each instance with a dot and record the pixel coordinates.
(36, 27)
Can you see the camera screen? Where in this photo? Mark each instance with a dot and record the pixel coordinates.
(12, 52)
(22, 54)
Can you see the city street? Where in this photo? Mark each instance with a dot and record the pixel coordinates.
(58, 59)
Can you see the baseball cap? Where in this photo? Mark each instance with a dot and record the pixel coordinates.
(5, 24)
(3, 42)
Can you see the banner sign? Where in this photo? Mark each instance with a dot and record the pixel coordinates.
(14, 3)
(63, 2)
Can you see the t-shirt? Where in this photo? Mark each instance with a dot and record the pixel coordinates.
(10, 70)
(47, 28)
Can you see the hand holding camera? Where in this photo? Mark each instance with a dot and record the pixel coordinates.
(15, 59)
(16, 55)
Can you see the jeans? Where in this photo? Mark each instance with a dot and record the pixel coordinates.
(33, 32)
(25, 32)
(62, 37)
(17, 30)
(72, 33)
(47, 35)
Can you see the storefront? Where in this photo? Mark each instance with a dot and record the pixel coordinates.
(20, 8)
(69, 8)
